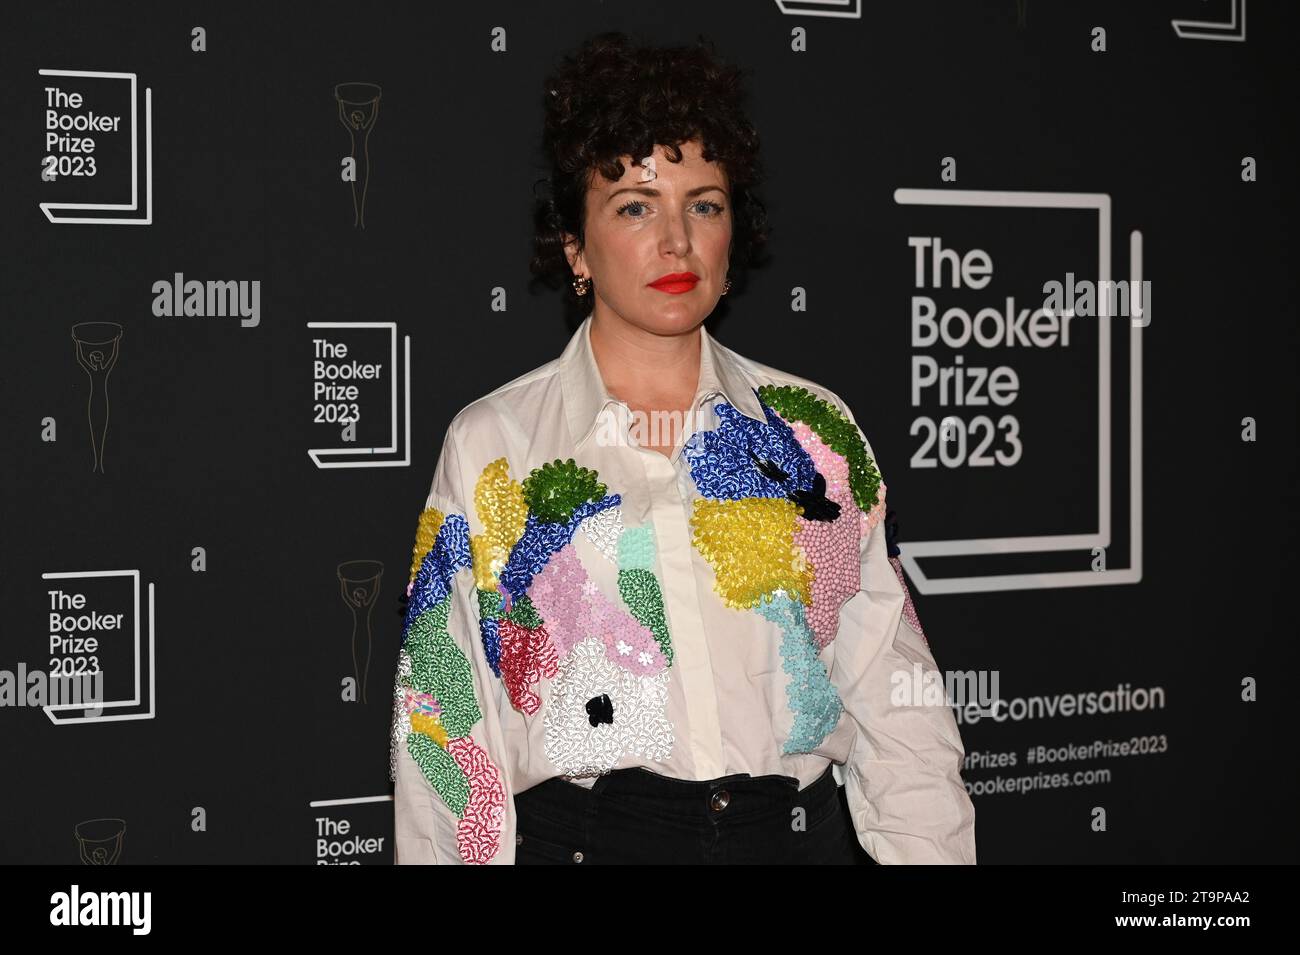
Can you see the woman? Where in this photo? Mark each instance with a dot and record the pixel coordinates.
(651, 604)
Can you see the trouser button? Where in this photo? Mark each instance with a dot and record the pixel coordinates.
(719, 800)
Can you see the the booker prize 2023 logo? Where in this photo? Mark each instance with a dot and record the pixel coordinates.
(97, 148)
(1025, 389)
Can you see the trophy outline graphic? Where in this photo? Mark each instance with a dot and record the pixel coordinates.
(360, 593)
(85, 835)
(912, 550)
(354, 121)
(58, 708)
(87, 335)
(49, 207)
(317, 454)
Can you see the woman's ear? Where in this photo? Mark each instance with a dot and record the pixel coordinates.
(572, 253)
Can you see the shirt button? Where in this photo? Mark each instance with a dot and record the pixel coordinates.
(577, 857)
(719, 800)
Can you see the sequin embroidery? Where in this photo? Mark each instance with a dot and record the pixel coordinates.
(575, 608)
(750, 545)
(556, 489)
(605, 531)
(449, 554)
(639, 728)
(780, 519)
(723, 461)
(540, 540)
(909, 611)
(841, 435)
(479, 831)
(832, 547)
(499, 504)
(527, 655)
(426, 533)
(434, 702)
(812, 697)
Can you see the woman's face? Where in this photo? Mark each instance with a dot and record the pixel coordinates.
(639, 231)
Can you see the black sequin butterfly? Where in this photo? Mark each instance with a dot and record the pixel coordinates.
(816, 505)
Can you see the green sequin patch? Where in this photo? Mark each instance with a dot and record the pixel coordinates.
(440, 769)
(439, 667)
(636, 548)
(524, 614)
(489, 604)
(639, 589)
(795, 403)
(555, 489)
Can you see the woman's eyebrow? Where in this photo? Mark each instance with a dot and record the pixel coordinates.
(647, 191)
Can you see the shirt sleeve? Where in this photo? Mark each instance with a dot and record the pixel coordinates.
(452, 799)
(903, 774)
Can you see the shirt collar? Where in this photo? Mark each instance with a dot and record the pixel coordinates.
(585, 396)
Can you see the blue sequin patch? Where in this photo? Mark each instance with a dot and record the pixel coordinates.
(541, 540)
(449, 554)
(491, 637)
(722, 460)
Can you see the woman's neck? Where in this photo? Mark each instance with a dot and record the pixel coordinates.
(651, 372)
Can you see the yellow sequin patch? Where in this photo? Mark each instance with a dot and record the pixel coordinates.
(430, 727)
(426, 532)
(502, 510)
(750, 545)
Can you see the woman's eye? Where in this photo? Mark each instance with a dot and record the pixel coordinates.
(704, 207)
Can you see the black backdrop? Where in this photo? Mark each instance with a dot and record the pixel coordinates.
(234, 742)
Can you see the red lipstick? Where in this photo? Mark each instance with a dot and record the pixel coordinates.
(675, 283)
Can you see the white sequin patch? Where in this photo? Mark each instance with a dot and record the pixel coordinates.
(640, 725)
(603, 529)
(401, 720)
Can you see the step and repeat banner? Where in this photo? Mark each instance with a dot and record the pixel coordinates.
(257, 257)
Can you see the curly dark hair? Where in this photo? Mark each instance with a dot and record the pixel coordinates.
(613, 98)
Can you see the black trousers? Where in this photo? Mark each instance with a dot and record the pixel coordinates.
(635, 816)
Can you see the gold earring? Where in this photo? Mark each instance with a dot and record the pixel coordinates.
(581, 284)
(726, 286)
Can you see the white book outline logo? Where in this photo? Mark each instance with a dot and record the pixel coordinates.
(912, 550)
(844, 9)
(102, 717)
(366, 455)
(50, 208)
(1234, 29)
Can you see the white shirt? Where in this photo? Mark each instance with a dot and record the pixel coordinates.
(731, 609)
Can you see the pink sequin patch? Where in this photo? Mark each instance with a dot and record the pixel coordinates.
(419, 701)
(832, 547)
(574, 608)
(526, 657)
(909, 611)
(478, 834)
